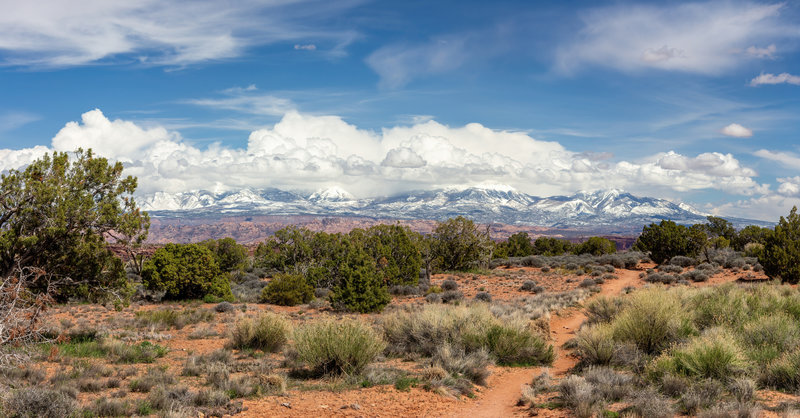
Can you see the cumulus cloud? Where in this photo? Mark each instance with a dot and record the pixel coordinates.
(54, 33)
(789, 186)
(116, 139)
(782, 78)
(691, 37)
(306, 152)
(737, 131)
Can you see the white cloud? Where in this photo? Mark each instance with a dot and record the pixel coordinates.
(309, 152)
(775, 79)
(118, 139)
(246, 100)
(306, 47)
(789, 186)
(766, 52)
(13, 120)
(398, 64)
(690, 37)
(787, 159)
(55, 33)
(737, 131)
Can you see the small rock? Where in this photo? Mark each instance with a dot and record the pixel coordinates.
(287, 405)
(355, 406)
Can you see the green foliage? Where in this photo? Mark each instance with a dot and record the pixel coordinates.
(515, 346)
(716, 355)
(750, 234)
(551, 246)
(269, 332)
(668, 239)
(517, 245)
(781, 257)
(287, 290)
(392, 247)
(458, 244)
(56, 214)
(359, 289)
(596, 246)
(337, 347)
(185, 271)
(784, 373)
(230, 256)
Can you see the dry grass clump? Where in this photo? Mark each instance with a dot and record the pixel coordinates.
(38, 402)
(269, 332)
(171, 318)
(337, 346)
(469, 328)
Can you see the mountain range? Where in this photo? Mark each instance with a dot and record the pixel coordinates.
(488, 204)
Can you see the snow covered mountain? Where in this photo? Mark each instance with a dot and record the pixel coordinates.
(486, 204)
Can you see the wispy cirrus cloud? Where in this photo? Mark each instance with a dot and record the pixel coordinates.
(247, 100)
(782, 78)
(397, 64)
(705, 38)
(54, 33)
(787, 159)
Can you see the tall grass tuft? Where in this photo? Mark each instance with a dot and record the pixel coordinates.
(337, 347)
(269, 332)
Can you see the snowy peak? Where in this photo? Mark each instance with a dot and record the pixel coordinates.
(332, 194)
(485, 204)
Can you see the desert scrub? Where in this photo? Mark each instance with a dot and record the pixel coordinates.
(714, 355)
(603, 309)
(652, 321)
(35, 402)
(784, 373)
(170, 318)
(269, 332)
(595, 345)
(144, 352)
(511, 341)
(287, 290)
(337, 346)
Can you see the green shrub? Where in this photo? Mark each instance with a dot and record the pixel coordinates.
(653, 320)
(287, 290)
(781, 254)
(513, 346)
(595, 345)
(715, 355)
(186, 271)
(337, 347)
(596, 246)
(784, 373)
(360, 290)
(667, 239)
(269, 333)
(769, 336)
(603, 309)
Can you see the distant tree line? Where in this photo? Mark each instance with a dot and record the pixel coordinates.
(521, 245)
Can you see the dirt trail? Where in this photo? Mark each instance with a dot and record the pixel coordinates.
(500, 398)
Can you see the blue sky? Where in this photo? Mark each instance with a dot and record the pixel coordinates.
(696, 102)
